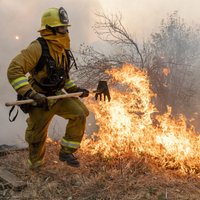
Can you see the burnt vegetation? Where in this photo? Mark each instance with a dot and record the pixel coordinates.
(170, 56)
(127, 177)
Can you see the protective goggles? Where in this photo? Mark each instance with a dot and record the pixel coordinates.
(63, 16)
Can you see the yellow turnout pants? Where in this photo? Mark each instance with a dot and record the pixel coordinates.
(38, 122)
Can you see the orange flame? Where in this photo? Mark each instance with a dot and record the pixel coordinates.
(127, 125)
(166, 71)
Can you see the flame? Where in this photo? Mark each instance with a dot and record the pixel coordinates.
(129, 125)
(17, 37)
(166, 71)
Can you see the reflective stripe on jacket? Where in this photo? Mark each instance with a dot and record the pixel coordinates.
(24, 64)
(19, 82)
(69, 84)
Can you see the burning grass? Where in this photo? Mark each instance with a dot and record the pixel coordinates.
(129, 125)
(129, 177)
(136, 153)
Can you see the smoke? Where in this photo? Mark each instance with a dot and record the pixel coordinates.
(142, 17)
(22, 18)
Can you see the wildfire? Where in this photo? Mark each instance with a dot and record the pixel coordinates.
(166, 71)
(128, 125)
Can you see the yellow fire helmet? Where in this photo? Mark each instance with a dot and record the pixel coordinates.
(54, 17)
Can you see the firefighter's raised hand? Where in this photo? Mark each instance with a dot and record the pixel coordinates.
(102, 91)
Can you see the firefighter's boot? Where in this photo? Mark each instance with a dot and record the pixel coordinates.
(69, 158)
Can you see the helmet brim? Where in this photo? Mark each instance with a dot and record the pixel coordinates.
(44, 27)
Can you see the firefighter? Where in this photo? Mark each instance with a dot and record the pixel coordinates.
(41, 70)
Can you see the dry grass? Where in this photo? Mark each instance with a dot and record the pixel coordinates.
(126, 178)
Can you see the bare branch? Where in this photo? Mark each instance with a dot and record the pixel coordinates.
(111, 29)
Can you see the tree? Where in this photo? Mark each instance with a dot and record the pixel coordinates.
(174, 48)
(124, 50)
(170, 57)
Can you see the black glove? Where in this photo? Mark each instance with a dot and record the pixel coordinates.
(102, 90)
(85, 92)
(39, 98)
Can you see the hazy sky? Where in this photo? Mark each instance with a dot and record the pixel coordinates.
(22, 18)
(143, 16)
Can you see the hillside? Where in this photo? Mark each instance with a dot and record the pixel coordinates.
(127, 178)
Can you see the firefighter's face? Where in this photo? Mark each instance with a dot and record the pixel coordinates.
(62, 29)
